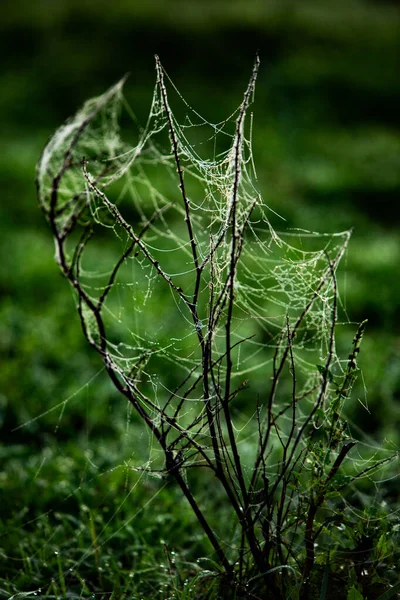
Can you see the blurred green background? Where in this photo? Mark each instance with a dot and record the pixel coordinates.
(327, 151)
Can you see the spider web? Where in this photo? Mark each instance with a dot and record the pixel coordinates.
(151, 333)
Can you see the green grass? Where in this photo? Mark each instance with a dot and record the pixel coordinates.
(77, 518)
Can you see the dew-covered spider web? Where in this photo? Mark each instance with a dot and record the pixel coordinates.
(124, 222)
(218, 329)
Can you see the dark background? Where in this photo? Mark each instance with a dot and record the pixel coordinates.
(326, 145)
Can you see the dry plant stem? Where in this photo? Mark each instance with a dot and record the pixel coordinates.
(205, 344)
(193, 304)
(236, 245)
(280, 510)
